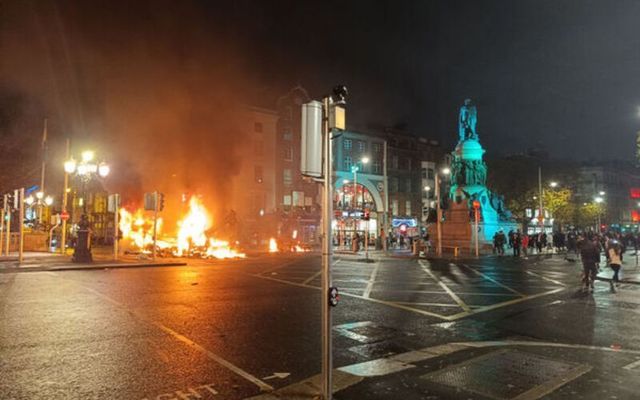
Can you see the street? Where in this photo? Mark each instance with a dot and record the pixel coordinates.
(237, 329)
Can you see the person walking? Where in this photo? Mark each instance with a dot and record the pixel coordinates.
(498, 242)
(511, 237)
(590, 255)
(615, 262)
(517, 242)
(525, 244)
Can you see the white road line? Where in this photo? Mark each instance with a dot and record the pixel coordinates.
(463, 293)
(446, 288)
(545, 278)
(372, 281)
(408, 303)
(312, 277)
(504, 304)
(279, 266)
(487, 277)
(632, 366)
(237, 370)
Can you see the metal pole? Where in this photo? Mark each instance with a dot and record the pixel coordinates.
(63, 236)
(438, 217)
(386, 197)
(8, 231)
(476, 233)
(155, 224)
(115, 229)
(4, 212)
(541, 215)
(327, 387)
(44, 160)
(21, 221)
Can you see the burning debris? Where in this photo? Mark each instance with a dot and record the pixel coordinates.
(191, 239)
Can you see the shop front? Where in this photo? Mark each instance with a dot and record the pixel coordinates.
(357, 215)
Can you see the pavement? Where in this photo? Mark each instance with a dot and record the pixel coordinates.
(486, 328)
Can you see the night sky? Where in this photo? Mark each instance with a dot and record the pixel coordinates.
(556, 75)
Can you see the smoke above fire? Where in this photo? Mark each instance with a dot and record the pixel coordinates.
(150, 86)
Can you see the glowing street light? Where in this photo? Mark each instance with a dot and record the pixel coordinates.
(427, 188)
(48, 201)
(553, 184)
(598, 199)
(103, 169)
(87, 156)
(601, 193)
(70, 166)
(446, 170)
(365, 160)
(29, 200)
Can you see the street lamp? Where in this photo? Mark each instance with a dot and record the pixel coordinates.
(599, 200)
(553, 184)
(86, 169)
(445, 171)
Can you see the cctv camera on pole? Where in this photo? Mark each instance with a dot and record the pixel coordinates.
(319, 120)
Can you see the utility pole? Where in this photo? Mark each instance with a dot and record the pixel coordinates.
(541, 212)
(438, 217)
(156, 198)
(476, 208)
(116, 232)
(21, 221)
(42, 172)
(8, 238)
(63, 237)
(385, 222)
(327, 361)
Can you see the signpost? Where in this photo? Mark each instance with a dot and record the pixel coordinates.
(113, 205)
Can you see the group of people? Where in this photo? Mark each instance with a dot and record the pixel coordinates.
(521, 243)
(588, 245)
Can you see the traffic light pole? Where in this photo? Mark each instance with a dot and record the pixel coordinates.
(155, 224)
(21, 221)
(327, 212)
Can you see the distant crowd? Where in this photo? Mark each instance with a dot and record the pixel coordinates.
(589, 246)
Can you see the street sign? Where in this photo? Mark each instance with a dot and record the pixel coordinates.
(150, 201)
(64, 216)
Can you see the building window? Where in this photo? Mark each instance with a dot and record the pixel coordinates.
(430, 173)
(347, 163)
(362, 146)
(393, 185)
(258, 148)
(288, 153)
(408, 185)
(287, 135)
(287, 178)
(257, 172)
(407, 207)
(376, 147)
(394, 162)
(347, 144)
(257, 127)
(376, 166)
(424, 173)
(394, 207)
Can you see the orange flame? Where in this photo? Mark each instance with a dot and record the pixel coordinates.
(273, 245)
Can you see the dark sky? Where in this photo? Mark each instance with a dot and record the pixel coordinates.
(562, 75)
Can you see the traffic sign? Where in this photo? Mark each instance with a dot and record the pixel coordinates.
(64, 216)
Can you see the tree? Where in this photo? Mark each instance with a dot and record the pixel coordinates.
(587, 214)
(560, 204)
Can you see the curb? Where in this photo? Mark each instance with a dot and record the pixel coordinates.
(89, 267)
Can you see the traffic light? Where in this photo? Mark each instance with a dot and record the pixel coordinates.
(161, 207)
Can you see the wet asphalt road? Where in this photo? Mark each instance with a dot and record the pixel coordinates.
(234, 329)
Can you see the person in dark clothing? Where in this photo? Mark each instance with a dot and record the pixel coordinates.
(498, 242)
(590, 255)
(511, 235)
(517, 242)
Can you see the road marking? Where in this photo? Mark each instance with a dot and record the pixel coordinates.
(545, 278)
(463, 293)
(193, 393)
(408, 303)
(487, 277)
(504, 304)
(632, 366)
(379, 367)
(445, 287)
(278, 375)
(372, 281)
(317, 274)
(237, 370)
(279, 266)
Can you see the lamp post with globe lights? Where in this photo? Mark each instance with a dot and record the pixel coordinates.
(85, 170)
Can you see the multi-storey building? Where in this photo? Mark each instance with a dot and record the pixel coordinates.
(618, 186)
(359, 185)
